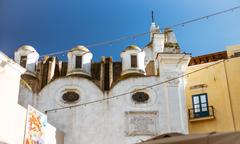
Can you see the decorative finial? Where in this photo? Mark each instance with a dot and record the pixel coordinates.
(152, 17)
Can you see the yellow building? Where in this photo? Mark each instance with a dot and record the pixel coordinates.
(213, 91)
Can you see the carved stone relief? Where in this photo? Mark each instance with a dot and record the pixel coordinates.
(173, 77)
(141, 123)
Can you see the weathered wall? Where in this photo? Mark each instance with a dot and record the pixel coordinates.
(107, 121)
(26, 94)
(81, 123)
(160, 102)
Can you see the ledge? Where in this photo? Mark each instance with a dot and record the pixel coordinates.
(78, 72)
(133, 71)
(202, 118)
(30, 73)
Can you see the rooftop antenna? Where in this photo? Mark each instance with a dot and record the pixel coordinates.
(152, 17)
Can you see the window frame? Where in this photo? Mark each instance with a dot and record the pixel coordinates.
(133, 65)
(140, 97)
(198, 109)
(78, 62)
(70, 97)
(236, 54)
(23, 61)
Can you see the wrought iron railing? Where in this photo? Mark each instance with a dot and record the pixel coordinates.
(195, 113)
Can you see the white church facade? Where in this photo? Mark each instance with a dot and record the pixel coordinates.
(110, 102)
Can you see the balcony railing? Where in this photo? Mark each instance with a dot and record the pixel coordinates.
(197, 113)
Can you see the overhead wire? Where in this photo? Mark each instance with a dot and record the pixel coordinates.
(142, 34)
(134, 36)
(147, 87)
(107, 42)
(204, 17)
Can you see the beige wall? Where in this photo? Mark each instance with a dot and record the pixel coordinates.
(223, 91)
(233, 71)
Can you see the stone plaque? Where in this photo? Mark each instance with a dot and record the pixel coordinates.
(141, 123)
(173, 76)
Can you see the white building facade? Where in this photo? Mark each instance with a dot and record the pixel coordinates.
(112, 102)
(13, 116)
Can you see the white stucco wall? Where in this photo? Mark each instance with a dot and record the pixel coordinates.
(119, 120)
(13, 116)
(158, 103)
(106, 122)
(9, 87)
(81, 123)
(172, 66)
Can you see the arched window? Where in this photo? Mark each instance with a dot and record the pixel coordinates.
(70, 97)
(140, 97)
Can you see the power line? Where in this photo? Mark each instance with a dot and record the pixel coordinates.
(150, 86)
(101, 43)
(204, 17)
(145, 33)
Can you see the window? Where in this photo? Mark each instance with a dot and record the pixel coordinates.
(133, 61)
(23, 61)
(78, 61)
(69, 97)
(200, 105)
(140, 97)
(236, 54)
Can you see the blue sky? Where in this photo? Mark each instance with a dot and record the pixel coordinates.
(54, 25)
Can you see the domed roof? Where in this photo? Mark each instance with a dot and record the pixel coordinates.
(80, 48)
(27, 48)
(133, 47)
